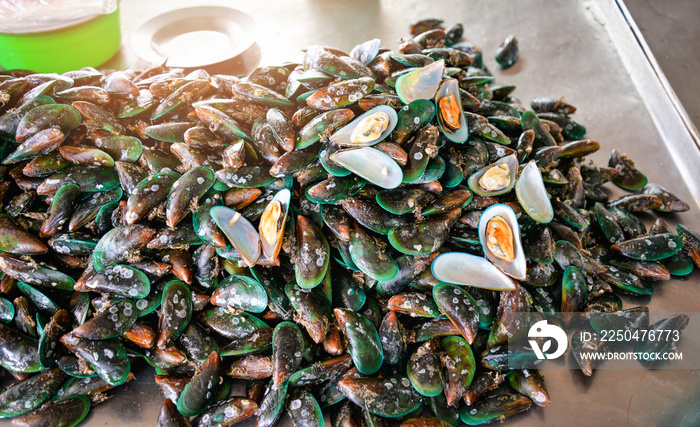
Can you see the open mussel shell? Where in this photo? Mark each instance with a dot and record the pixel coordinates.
(368, 129)
(449, 112)
(372, 165)
(421, 83)
(271, 227)
(365, 52)
(470, 270)
(532, 195)
(239, 231)
(499, 179)
(499, 231)
(324, 157)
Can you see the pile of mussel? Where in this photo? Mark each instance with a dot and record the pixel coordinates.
(352, 233)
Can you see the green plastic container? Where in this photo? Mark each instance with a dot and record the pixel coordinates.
(84, 44)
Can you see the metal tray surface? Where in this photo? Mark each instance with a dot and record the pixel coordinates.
(585, 50)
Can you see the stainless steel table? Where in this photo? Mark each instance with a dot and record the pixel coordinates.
(671, 28)
(583, 50)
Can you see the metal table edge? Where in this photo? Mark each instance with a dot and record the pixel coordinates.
(679, 134)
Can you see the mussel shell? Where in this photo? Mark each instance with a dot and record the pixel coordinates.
(460, 307)
(386, 397)
(10, 119)
(421, 83)
(37, 275)
(651, 248)
(324, 156)
(240, 292)
(630, 319)
(251, 367)
(460, 367)
(186, 192)
(250, 344)
(473, 181)
(394, 339)
(658, 346)
(7, 311)
(566, 254)
(411, 118)
(324, 122)
(260, 94)
(334, 189)
(424, 237)
(20, 352)
(43, 142)
(148, 194)
(532, 194)
(271, 249)
(432, 173)
(372, 165)
(671, 203)
(516, 268)
(449, 414)
(196, 342)
(303, 409)
(470, 270)
(26, 395)
(65, 412)
(227, 412)
(287, 346)
(459, 135)
(626, 282)
(314, 254)
(341, 94)
(495, 407)
(574, 292)
(112, 322)
(423, 369)
(629, 178)
(202, 389)
(414, 304)
(88, 209)
(107, 357)
(241, 233)
(366, 52)
(229, 325)
(249, 176)
(369, 257)
(62, 206)
(312, 310)
(343, 135)
(363, 340)
(204, 225)
(120, 280)
(370, 215)
(176, 311)
(272, 404)
(39, 300)
(62, 116)
(679, 264)
(403, 200)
